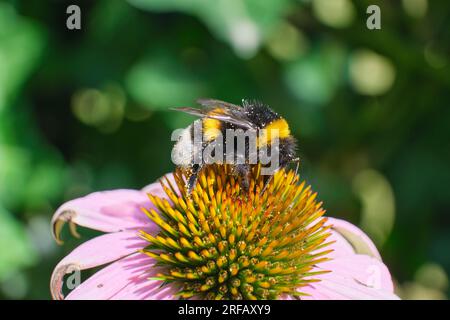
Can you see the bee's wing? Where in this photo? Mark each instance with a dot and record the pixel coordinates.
(195, 112)
(227, 116)
(213, 103)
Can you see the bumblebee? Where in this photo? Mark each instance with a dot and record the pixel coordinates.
(217, 120)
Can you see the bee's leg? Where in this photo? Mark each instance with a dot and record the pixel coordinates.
(243, 171)
(297, 164)
(192, 178)
(266, 184)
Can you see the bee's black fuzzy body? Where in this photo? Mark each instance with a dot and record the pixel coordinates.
(217, 118)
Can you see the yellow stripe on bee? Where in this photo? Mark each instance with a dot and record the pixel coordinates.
(211, 128)
(276, 129)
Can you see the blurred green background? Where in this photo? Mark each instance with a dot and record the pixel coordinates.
(86, 110)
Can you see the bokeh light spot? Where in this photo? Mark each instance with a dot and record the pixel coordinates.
(370, 73)
(433, 276)
(287, 42)
(101, 109)
(245, 37)
(378, 204)
(335, 13)
(415, 8)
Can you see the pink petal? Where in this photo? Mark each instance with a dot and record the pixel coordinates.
(98, 251)
(357, 277)
(124, 279)
(352, 275)
(340, 289)
(365, 269)
(341, 247)
(155, 188)
(360, 242)
(107, 211)
(146, 289)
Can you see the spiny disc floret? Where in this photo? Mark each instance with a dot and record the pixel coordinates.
(225, 243)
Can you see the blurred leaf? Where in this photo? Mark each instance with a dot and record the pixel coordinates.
(15, 165)
(15, 248)
(242, 23)
(158, 83)
(28, 178)
(44, 182)
(314, 78)
(21, 43)
(31, 172)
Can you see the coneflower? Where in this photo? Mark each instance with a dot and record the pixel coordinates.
(221, 242)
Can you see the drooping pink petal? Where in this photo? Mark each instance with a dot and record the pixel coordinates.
(352, 277)
(340, 288)
(364, 269)
(340, 246)
(360, 242)
(95, 252)
(107, 211)
(355, 269)
(125, 279)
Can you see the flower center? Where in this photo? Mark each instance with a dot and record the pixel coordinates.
(226, 243)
